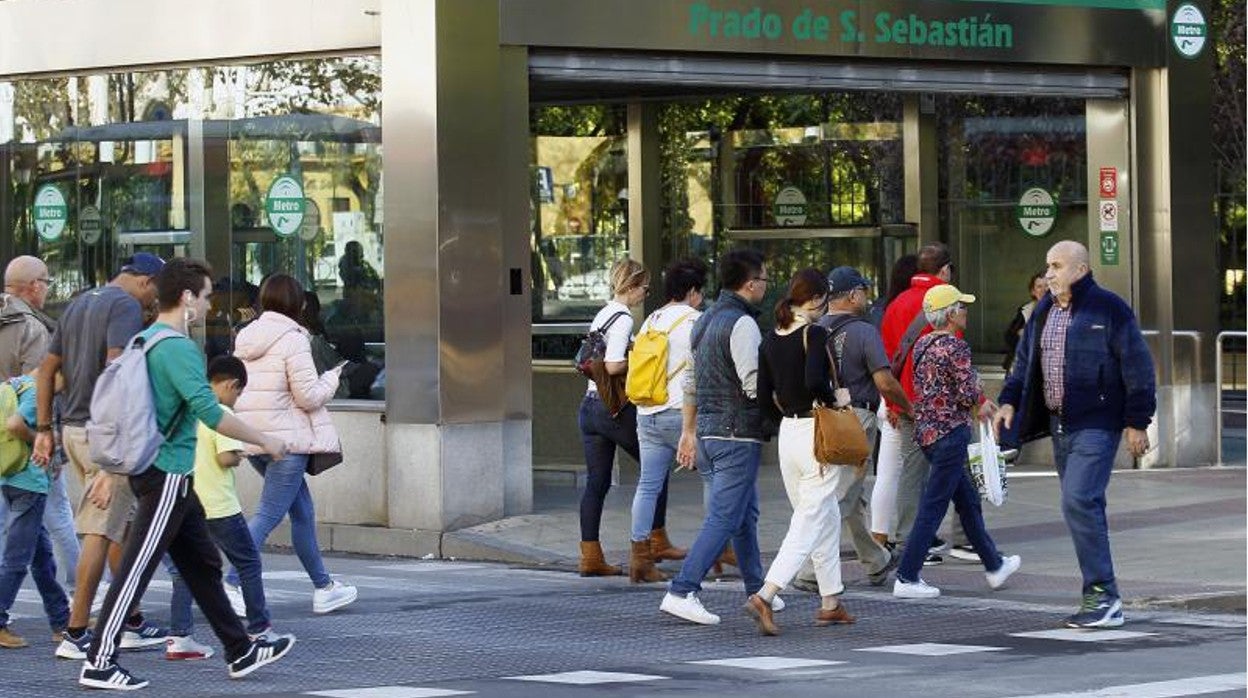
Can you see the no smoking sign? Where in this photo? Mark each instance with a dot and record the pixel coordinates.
(1109, 216)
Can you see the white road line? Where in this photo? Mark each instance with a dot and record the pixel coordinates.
(432, 566)
(389, 692)
(768, 663)
(587, 678)
(1081, 635)
(1204, 622)
(1194, 686)
(932, 649)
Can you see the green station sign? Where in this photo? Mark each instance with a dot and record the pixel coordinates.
(1036, 212)
(285, 205)
(51, 212)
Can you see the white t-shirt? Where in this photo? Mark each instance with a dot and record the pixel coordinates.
(618, 334)
(679, 350)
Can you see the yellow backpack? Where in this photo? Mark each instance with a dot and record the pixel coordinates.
(647, 381)
(14, 453)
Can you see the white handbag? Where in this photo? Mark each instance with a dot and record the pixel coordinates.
(986, 466)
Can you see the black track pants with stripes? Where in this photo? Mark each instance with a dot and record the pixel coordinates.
(169, 518)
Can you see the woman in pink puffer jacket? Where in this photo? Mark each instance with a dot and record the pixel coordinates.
(286, 398)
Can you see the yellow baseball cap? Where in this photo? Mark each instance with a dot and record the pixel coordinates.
(943, 296)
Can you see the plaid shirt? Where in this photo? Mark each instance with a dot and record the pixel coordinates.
(1053, 355)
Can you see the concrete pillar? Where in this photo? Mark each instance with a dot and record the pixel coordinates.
(645, 239)
(920, 157)
(457, 399)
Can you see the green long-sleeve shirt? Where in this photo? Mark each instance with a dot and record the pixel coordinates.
(176, 369)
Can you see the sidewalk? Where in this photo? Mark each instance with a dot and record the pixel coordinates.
(1178, 535)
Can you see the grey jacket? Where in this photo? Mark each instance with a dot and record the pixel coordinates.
(24, 336)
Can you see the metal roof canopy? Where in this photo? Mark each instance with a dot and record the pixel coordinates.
(579, 76)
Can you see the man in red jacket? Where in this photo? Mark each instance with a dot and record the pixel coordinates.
(935, 268)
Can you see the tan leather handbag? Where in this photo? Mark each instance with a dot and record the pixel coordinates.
(839, 436)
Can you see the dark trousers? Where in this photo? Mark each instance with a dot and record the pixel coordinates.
(601, 434)
(168, 518)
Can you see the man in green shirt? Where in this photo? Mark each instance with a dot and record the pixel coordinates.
(169, 518)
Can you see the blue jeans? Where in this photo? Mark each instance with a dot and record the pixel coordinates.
(732, 515)
(231, 535)
(58, 518)
(947, 480)
(286, 492)
(27, 546)
(601, 434)
(658, 435)
(1085, 460)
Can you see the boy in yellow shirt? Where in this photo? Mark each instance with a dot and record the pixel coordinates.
(216, 456)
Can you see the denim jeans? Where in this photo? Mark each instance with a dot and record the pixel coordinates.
(58, 518)
(658, 436)
(27, 546)
(601, 434)
(948, 480)
(231, 535)
(1085, 460)
(732, 515)
(285, 492)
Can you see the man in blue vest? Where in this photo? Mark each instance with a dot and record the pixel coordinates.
(729, 432)
(1083, 375)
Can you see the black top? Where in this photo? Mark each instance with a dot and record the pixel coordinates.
(789, 378)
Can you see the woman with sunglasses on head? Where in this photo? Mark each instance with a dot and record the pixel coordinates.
(793, 374)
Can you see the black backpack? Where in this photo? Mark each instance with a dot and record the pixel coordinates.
(594, 347)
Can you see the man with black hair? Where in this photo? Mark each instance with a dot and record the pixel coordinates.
(169, 517)
(725, 344)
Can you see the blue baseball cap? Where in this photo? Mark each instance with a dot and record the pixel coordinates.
(845, 279)
(142, 264)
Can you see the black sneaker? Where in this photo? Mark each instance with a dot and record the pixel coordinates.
(262, 651)
(932, 560)
(110, 677)
(1100, 609)
(74, 648)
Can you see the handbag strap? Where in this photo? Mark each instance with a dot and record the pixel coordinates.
(836, 379)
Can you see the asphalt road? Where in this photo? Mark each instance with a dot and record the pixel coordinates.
(438, 628)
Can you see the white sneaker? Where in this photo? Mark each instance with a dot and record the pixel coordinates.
(186, 648)
(235, 595)
(777, 604)
(333, 597)
(689, 608)
(100, 592)
(1009, 565)
(268, 635)
(914, 590)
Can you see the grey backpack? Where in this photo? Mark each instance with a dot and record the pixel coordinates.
(121, 433)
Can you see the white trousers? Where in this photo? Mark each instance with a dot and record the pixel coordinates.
(887, 476)
(815, 529)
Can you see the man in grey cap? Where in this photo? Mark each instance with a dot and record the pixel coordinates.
(864, 370)
(93, 331)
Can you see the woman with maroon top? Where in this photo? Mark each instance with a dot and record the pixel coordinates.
(947, 389)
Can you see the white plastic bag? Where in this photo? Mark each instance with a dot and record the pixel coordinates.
(986, 466)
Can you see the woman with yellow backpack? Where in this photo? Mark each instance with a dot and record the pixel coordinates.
(657, 369)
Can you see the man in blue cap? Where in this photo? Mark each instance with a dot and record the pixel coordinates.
(93, 331)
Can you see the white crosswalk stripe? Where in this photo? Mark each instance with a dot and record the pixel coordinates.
(768, 663)
(390, 692)
(1192, 686)
(1080, 635)
(931, 649)
(587, 678)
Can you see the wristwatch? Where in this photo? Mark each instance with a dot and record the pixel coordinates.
(43, 428)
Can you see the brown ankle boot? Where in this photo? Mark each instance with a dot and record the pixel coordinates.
(662, 549)
(593, 564)
(641, 565)
(729, 556)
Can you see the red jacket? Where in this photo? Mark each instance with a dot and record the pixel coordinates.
(897, 318)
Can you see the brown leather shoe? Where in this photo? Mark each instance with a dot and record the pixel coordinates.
(593, 564)
(760, 611)
(835, 616)
(641, 565)
(10, 640)
(662, 549)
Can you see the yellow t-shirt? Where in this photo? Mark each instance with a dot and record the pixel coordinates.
(214, 485)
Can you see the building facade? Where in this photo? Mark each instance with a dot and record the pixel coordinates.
(526, 144)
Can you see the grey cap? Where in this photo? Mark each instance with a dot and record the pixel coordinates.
(845, 279)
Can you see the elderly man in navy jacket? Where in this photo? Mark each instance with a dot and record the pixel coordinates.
(1083, 375)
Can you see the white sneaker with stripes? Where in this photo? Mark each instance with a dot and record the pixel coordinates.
(109, 677)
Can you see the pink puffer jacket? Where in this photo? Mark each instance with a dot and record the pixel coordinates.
(284, 397)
